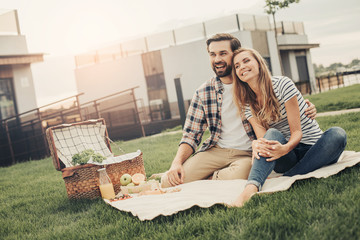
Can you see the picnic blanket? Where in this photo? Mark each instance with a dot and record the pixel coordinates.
(206, 193)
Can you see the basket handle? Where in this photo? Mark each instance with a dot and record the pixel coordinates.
(116, 145)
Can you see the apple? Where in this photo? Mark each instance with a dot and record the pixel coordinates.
(131, 185)
(125, 179)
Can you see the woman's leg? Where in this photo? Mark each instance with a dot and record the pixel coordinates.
(325, 151)
(261, 168)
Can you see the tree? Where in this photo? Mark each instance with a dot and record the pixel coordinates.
(333, 68)
(354, 62)
(272, 7)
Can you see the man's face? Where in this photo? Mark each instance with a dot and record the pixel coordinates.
(221, 58)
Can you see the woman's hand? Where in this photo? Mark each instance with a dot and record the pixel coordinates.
(269, 149)
(260, 148)
(275, 150)
(255, 150)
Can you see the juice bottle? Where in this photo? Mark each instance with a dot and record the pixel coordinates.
(106, 186)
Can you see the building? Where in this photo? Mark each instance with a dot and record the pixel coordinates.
(139, 87)
(295, 55)
(17, 92)
(153, 62)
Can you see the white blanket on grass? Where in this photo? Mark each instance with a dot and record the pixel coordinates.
(206, 193)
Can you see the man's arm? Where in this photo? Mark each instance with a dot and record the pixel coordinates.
(194, 128)
(175, 174)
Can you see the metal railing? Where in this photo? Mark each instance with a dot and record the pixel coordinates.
(22, 137)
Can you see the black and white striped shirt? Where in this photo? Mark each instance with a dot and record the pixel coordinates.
(284, 90)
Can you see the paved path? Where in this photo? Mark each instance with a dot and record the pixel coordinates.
(337, 112)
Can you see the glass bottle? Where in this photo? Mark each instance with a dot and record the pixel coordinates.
(106, 186)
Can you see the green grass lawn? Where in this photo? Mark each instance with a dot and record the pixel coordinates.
(34, 204)
(337, 99)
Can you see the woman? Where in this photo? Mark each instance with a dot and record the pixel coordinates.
(287, 141)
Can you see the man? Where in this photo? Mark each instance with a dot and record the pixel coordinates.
(226, 154)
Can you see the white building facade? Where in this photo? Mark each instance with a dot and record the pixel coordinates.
(153, 62)
(17, 92)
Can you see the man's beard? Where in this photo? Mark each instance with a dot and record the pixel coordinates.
(227, 71)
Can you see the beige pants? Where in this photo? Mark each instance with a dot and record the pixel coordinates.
(220, 163)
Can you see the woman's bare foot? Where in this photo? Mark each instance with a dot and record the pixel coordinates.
(245, 196)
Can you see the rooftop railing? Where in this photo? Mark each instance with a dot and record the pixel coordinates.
(285, 27)
(195, 32)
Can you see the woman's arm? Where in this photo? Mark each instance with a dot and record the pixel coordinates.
(278, 150)
(257, 127)
(257, 145)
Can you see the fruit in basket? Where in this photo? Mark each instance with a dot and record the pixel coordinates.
(137, 178)
(125, 179)
(131, 185)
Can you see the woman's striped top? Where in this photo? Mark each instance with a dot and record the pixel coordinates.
(285, 89)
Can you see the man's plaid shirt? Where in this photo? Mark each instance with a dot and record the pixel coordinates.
(205, 112)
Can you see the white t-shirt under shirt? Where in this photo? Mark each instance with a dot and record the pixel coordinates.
(233, 134)
(284, 90)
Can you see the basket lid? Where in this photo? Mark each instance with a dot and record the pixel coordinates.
(72, 139)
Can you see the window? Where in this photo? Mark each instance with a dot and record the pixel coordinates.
(302, 69)
(156, 82)
(7, 103)
(268, 62)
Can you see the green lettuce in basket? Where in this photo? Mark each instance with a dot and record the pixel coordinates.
(85, 156)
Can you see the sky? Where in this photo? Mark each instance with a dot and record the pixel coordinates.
(69, 27)
(73, 26)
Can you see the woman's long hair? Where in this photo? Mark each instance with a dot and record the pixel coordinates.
(268, 110)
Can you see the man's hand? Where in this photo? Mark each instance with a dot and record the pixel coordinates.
(175, 174)
(311, 110)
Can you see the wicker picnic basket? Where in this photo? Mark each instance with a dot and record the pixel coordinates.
(82, 181)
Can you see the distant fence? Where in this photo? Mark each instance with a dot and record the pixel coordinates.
(22, 137)
(326, 83)
(338, 80)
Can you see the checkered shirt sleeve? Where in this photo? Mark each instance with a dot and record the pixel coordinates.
(195, 124)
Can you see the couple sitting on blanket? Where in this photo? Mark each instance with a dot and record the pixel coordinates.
(257, 123)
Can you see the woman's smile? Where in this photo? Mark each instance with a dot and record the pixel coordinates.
(246, 66)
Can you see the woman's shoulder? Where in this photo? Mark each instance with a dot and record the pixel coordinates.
(281, 81)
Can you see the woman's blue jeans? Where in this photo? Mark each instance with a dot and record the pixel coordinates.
(302, 159)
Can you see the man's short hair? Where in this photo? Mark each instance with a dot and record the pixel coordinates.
(234, 42)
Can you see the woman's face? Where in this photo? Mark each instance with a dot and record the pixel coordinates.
(246, 67)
